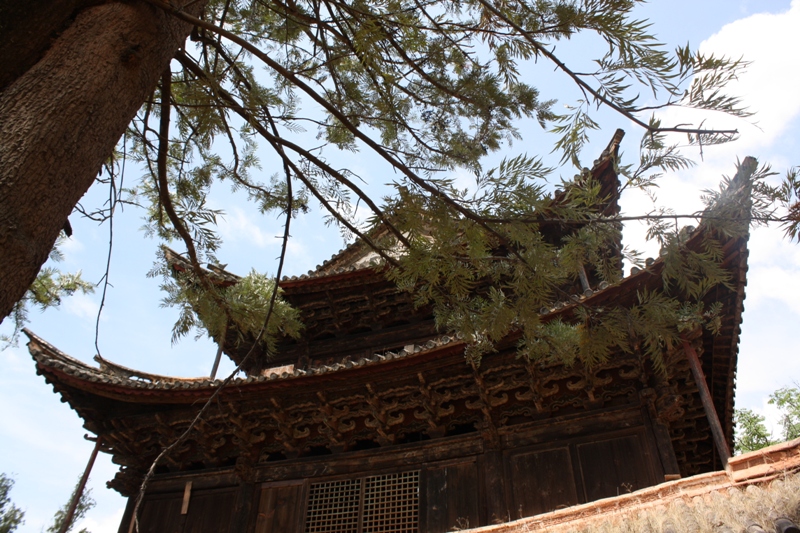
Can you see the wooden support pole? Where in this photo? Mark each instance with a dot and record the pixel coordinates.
(220, 347)
(708, 403)
(76, 496)
(187, 494)
(216, 362)
(584, 278)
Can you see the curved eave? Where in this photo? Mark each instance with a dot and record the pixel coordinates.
(68, 376)
(67, 373)
(87, 388)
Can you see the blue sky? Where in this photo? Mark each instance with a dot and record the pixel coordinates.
(42, 439)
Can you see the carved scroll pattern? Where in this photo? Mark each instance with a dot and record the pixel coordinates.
(432, 401)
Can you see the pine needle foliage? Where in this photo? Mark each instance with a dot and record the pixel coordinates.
(751, 433)
(85, 504)
(239, 309)
(431, 88)
(11, 516)
(47, 291)
(428, 86)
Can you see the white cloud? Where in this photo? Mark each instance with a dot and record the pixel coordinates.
(237, 225)
(71, 247)
(767, 87)
(83, 306)
(768, 355)
(107, 523)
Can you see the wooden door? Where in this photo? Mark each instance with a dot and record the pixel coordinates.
(161, 513)
(210, 511)
(615, 466)
(281, 508)
(451, 497)
(541, 481)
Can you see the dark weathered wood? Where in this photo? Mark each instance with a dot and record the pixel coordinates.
(126, 516)
(161, 514)
(243, 514)
(613, 467)
(492, 469)
(281, 508)
(662, 440)
(575, 425)
(187, 496)
(541, 481)
(211, 511)
(451, 496)
(708, 403)
(203, 480)
(376, 460)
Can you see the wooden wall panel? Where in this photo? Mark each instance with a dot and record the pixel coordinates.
(491, 465)
(615, 466)
(161, 514)
(281, 508)
(210, 511)
(541, 481)
(451, 497)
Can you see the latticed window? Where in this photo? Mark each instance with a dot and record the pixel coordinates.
(391, 503)
(387, 503)
(333, 506)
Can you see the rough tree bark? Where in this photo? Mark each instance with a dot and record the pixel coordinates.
(61, 118)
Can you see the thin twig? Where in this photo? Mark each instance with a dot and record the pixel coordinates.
(280, 141)
(112, 199)
(588, 88)
(227, 380)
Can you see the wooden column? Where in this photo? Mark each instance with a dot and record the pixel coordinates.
(660, 435)
(708, 403)
(76, 496)
(494, 488)
(243, 519)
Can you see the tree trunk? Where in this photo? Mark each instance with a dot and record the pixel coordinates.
(27, 30)
(60, 120)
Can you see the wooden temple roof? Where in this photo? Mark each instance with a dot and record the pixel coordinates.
(423, 390)
(357, 255)
(411, 384)
(347, 303)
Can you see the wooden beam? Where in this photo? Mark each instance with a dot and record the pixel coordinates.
(187, 495)
(708, 403)
(76, 496)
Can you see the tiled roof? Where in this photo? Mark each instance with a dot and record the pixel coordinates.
(49, 357)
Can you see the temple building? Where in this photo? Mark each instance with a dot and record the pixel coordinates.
(373, 421)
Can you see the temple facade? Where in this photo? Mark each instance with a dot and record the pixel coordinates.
(374, 422)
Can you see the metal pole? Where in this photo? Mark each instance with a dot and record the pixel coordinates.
(708, 403)
(76, 496)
